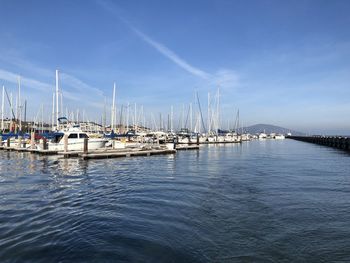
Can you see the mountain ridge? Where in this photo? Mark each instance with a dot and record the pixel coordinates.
(269, 128)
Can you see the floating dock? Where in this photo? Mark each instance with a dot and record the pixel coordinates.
(102, 153)
(118, 154)
(182, 147)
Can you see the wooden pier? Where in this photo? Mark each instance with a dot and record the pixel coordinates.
(330, 141)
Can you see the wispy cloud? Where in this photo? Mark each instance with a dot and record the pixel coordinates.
(73, 88)
(27, 82)
(14, 57)
(79, 85)
(162, 49)
(226, 78)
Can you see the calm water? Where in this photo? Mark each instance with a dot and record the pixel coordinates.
(269, 201)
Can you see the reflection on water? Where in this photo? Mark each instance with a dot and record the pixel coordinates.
(255, 201)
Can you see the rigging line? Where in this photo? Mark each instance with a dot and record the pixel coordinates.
(8, 98)
(200, 110)
(188, 113)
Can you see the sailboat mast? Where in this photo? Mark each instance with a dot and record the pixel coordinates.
(104, 116)
(14, 116)
(42, 118)
(218, 110)
(19, 104)
(135, 121)
(57, 99)
(191, 117)
(16, 110)
(53, 111)
(183, 116)
(127, 117)
(61, 97)
(113, 108)
(171, 118)
(25, 112)
(208, 118)
(201, 121)
(2, 108)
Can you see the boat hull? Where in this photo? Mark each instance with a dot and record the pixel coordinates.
(78, 145)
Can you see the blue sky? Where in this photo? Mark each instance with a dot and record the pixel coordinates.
(280, 62)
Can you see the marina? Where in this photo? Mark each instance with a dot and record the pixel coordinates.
(174, 131)
(116, 149)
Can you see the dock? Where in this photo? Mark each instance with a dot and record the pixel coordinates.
(181, 147)
(118, 154)
(103, 153)
(338, 142)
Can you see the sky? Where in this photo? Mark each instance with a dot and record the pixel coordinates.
(285, 63)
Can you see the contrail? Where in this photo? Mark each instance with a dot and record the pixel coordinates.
(171, 55)
(165, 51)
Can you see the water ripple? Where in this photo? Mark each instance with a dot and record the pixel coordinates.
(271, 201)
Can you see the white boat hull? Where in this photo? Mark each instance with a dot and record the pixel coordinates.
(78, 145)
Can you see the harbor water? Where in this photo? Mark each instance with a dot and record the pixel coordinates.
(259, 201)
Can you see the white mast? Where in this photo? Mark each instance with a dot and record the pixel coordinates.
(53, 111)
(190, 117)
(16, 111)
(42, 118)
(113, 109)
(219, 120)
(11, 106)
(61, 96)
(208, 118)
(19, 104)
(2, 108)
(57, 99)
(183, 116)
(135, 118)
(127, 117)
(143, 119)
(171, 118)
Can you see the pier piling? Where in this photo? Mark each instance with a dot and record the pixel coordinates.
(86, 140)
(32, 140)
(44, 144)
(65, 140)
(19, 141)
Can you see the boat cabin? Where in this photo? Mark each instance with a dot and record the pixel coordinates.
(72, 135)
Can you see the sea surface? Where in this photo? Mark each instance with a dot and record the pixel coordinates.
(259, 201)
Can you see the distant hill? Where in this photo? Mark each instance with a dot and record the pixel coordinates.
(268, 128)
